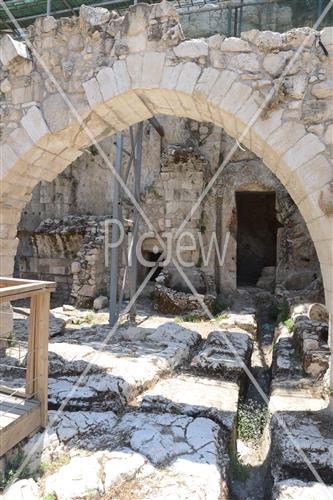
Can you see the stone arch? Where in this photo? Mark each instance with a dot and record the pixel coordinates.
(152, 70)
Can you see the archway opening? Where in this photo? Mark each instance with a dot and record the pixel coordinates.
(256, 235)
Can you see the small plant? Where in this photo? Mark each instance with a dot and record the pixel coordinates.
(12, 340)
(12, 468)
(89, 318)
(221, 317)
(279, 312)
(187, 318)
(251, 420)
(50, 496)
(57, 462)
(218, 307)
(240, 471)
(289, 323)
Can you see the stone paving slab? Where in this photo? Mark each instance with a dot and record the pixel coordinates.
(218, 358)
(313, 433)
(294, 489)
(195, 396)
(140, 455)
(116, 375)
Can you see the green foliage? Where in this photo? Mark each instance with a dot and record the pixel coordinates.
(57, 462)
(218, 307)
(50, 496)
(90, 318)
(13, 466)
(251, 420)
(12, 340)
(279, 312)
(240, 471)
(221, 317)
(289, 323)
(189, 318)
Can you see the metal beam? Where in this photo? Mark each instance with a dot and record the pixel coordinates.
(49, 7)
(113, 306)
(133, 276)
(157, 126)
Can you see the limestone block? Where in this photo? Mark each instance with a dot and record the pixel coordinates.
(94, 16)
(282, 139)
(221, 86)
(93, 92)
(234, 44)
(326, 199)
(314, 175)
(206, 81)
(134, 67)
(323, 90)
(107, 83)
(329, 135)
(34, 124)
(268, 40)
(192, 49)
(19, 141)
(295, 86)
(275, 63)
(294, 488)
(170, 76)
(24, 489)
(245, 117)
(153, 64)
(122, 77)
(8, 159)
(303, 151)
(12, 50)
(246, 62)
(326, 37)
(188, 77)
(238, 94)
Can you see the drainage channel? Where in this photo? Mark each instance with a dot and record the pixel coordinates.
(250, 474)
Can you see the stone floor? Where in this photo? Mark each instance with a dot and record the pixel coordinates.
(146, 423)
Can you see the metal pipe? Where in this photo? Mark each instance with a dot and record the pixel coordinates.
(133, 277)
(113, 306)
(49, 7)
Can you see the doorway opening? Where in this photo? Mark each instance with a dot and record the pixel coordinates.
(256, 235)
(150, 257)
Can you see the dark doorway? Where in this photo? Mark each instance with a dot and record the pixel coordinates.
(150, 257)
(256, 235)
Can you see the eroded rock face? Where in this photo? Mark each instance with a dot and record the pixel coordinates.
(310, 432)
(310, 339)
(293, 489)
(224, 353)
(120, 372)
(172, 302)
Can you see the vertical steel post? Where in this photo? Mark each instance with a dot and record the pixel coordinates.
(319, 7)
(113, 306)
(133, 276)
(229, 20)
(49, 7)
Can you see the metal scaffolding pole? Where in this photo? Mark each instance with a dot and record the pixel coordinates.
(113, 306)
(133, 275)
(48, 7)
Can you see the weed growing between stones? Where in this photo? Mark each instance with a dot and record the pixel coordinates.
(252, 417)
(239, 471)
(188, 318)
(12, 467)
(289, 323)
(51, 467)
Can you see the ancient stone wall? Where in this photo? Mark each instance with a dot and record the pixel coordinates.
(117, 71)
(174, 172)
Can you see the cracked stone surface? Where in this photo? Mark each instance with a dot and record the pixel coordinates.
(313, 433)
(217, 356)
(293, 489)
(120, 372)
(141, 456)
(195, 396)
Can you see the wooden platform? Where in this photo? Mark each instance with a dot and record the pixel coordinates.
(19, 417)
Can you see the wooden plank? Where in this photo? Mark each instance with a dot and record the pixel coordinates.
(41, 356)
(6, 389)
(29, 388)
(16, 287)
(9, 294)
(19, 429)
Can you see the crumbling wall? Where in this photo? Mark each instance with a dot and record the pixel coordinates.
(175, 171)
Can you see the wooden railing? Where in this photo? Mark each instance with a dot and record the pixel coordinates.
(23, 410)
